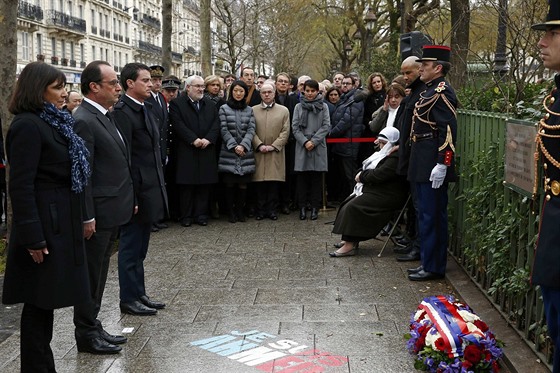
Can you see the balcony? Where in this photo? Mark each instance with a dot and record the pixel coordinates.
(150, 21)
(148, 47)
(29, 11)
(176, 56)
(64, 21)
(40, 57)
(64, 61)
(83, 64)
(54, 60)
(72, 63)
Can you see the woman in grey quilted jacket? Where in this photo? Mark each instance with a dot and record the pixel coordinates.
(237, 161)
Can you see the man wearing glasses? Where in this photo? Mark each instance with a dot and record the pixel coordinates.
(109, 199)
(196, 127)
(347, 123)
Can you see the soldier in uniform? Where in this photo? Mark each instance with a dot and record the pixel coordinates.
(432, 165)
(546, 265)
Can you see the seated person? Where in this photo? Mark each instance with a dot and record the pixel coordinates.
(378, 193)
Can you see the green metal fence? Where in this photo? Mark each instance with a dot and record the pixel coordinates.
(493, 228)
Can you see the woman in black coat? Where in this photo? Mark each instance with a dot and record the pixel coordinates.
(376, 93)
(379, 192)
(45, 267)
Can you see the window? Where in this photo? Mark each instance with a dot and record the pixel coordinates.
(70, 10)
(53, 46)
(93, 57)
(39, 44)
(71, 50)
(63, 48)
(24, 40)
(82, 53)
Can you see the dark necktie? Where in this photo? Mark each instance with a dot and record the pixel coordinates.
(197, 105)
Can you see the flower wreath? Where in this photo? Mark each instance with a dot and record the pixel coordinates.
(448, 337)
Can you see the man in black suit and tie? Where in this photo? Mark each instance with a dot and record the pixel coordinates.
(160, 113)
(109, 198)
(137, 125)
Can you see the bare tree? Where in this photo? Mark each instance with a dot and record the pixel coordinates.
(460, 27)
(205, 38)
(8, 56)
(167, 30)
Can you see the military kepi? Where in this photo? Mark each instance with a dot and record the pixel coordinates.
(552, 18)
(435, 53)
(157, 71)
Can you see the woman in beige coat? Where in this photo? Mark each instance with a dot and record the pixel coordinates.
(272, 130)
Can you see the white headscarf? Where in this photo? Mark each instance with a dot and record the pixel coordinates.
(388, 135)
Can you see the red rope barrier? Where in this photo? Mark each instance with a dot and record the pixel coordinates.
(346, 139)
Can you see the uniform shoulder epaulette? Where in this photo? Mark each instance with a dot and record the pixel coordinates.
(440, 87)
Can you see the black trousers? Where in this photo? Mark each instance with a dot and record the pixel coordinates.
(195, 201)
(267, 197)
(309, 189)
(98, 251)
(349, 169)
(36, 336)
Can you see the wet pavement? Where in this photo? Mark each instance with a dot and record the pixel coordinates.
(262, 296)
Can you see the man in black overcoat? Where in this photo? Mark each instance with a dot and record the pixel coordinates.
(140, 131)
(196, 127)
(109, 198)
(546, 265)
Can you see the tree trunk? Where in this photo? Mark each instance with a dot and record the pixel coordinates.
(205, 38)
(460, 21)
(167, 30)
(8, 56)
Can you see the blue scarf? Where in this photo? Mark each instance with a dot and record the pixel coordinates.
(63, 123)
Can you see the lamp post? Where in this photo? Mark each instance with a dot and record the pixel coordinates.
(369, 21)
(347, 45)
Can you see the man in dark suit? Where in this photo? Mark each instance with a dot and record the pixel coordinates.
(109, 198)
(248, 77)
(432, 160)
(159, 111)
(136, 124)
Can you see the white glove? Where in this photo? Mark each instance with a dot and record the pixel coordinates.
(438, 175)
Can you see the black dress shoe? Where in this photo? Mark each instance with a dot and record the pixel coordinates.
(285, 210)
(152, 303)
(137, 308)
(97, 345)
(302, 213)
(414, 270)
(410, 257)
(154, 228)
(403, 241)
(202, 222)
(160, 225)
(314, 214)
(273, 216)
(112, 339)
(258, 217)
(425, 276)
(403, 250)
(185, 222)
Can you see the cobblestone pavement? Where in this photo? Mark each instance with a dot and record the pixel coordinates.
(261, 284)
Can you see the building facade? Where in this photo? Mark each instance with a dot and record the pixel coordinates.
(72, 33)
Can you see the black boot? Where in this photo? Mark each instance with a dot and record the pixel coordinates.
(229, 196)
(240, 205)
(302, 213)
(314, 213)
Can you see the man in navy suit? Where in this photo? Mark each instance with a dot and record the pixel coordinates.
(138, 127)
(109, 198)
